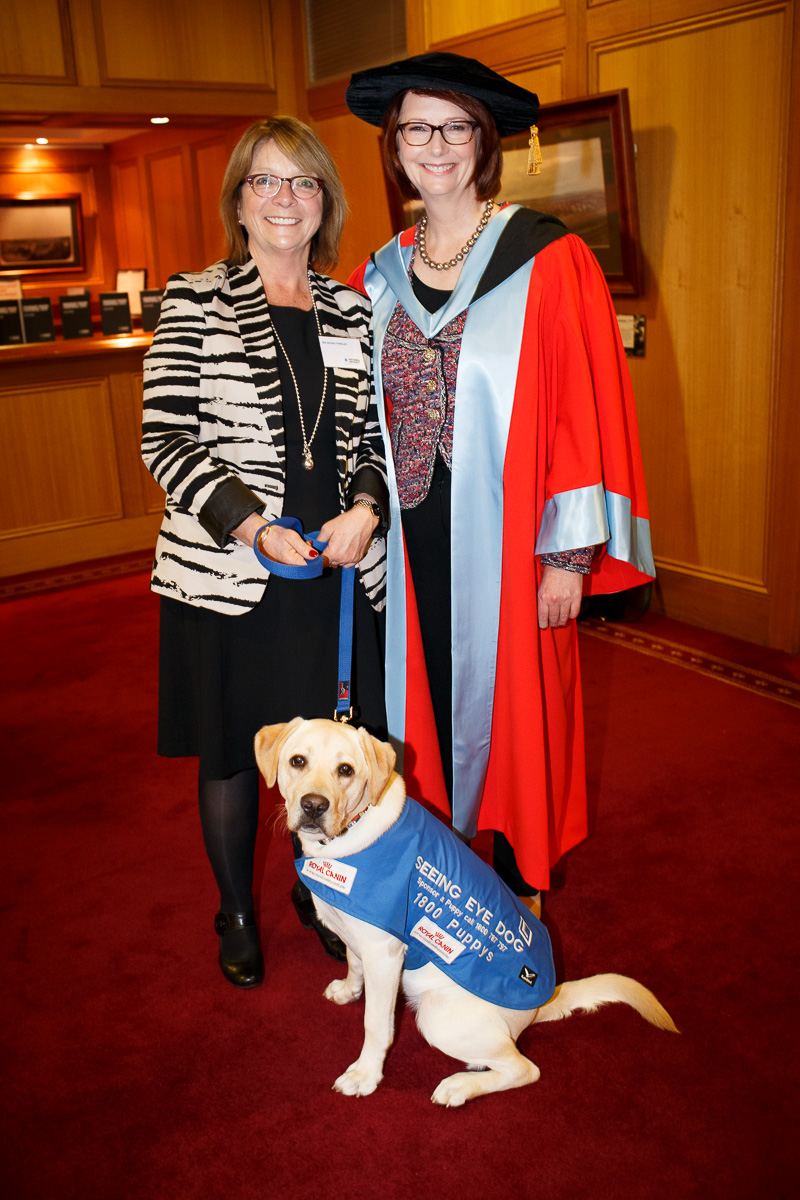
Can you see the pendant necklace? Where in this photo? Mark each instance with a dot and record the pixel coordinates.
(463, 252)
(308, 460)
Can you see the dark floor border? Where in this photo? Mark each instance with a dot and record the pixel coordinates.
(693, 658)
(75, 575)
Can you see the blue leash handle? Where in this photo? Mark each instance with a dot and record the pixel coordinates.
(307, 570)
(312, 569)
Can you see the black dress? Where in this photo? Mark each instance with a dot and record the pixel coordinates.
(222, 677)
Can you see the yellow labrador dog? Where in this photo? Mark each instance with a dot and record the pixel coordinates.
(412, 903)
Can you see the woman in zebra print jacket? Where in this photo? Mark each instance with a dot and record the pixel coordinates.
(258, 403)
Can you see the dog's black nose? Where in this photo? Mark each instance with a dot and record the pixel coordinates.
(314, 806)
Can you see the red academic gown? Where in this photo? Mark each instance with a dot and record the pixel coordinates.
(573, 426)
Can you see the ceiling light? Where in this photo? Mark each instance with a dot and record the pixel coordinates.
(159, 120)
(41, 141)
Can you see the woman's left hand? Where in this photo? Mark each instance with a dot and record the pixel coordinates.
(559, 597)
(348, 536)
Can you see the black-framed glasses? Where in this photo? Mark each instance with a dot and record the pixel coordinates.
(455, 133)
(304, 187)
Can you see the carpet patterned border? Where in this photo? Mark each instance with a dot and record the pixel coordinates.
(691, 659)
(55, 579)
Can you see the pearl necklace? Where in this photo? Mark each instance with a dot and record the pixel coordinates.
(463, 252)
(308, 461)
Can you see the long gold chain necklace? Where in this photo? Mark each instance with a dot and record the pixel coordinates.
(308, 460)
(463, 252)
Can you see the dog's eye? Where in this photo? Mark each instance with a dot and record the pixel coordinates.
(297, 761)
(346, 769)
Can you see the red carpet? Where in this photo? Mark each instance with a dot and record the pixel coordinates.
(134, 1071)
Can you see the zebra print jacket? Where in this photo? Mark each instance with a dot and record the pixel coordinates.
(213, 431)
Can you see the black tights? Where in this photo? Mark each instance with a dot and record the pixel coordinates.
(229, 819)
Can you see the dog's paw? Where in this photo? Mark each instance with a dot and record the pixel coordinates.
(455, 1091)
(357, 1081)
(343, 991)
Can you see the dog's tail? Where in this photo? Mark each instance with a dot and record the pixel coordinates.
(591, 993)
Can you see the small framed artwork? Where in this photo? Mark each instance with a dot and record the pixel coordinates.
(587, 180)
(40, 235)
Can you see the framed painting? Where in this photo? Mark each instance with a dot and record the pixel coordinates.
(587, 180)
(40, 235)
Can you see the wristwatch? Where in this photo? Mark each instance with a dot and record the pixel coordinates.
(371, 505)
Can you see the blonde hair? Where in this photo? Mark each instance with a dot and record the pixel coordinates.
(303, 147)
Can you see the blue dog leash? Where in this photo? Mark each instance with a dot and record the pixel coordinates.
(312, 570)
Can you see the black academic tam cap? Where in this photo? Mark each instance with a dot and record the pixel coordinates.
(371, 92)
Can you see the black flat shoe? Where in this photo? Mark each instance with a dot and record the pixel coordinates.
(304, 907)
(245, 972)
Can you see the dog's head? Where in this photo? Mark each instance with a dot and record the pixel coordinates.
(326, 772)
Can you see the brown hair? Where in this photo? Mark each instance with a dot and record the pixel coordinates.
(488, 150)
(303, 147)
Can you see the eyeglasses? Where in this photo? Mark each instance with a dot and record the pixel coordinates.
(455, 133)
(304, 187)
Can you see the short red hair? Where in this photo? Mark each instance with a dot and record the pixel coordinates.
(488, 149)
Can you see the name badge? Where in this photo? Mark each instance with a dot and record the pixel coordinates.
(336, 875)
(342, 352)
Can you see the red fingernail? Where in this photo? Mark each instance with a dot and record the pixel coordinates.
(313, 553)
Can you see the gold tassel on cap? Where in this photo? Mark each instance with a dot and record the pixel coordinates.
(534, 152)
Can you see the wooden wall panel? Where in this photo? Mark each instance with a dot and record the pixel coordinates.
(354, 146)
(443, 22)
(140, 492)
(185, 42)
(186, 57)
(170, 211)
(166, 199)
(546, 80)
(130, 211)
(709, 179)
(153, 494)
(209, 160)
(74, 485)
(59, 461)
(35, 42)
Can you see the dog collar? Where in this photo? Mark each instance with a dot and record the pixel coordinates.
(358, 816)
(347, 828)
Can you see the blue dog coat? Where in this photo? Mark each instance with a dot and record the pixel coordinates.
(419, 882)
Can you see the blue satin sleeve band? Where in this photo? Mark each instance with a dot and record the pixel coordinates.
(591, 516)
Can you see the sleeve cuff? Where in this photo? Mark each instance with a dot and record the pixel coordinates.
(369, 482)
(227, 507)
(579, 561)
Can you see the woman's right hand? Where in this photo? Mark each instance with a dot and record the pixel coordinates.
(282, 545)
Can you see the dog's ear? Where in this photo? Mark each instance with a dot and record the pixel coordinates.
(380, 758)
(268, 743)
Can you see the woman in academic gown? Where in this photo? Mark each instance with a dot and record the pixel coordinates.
(514, 467)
